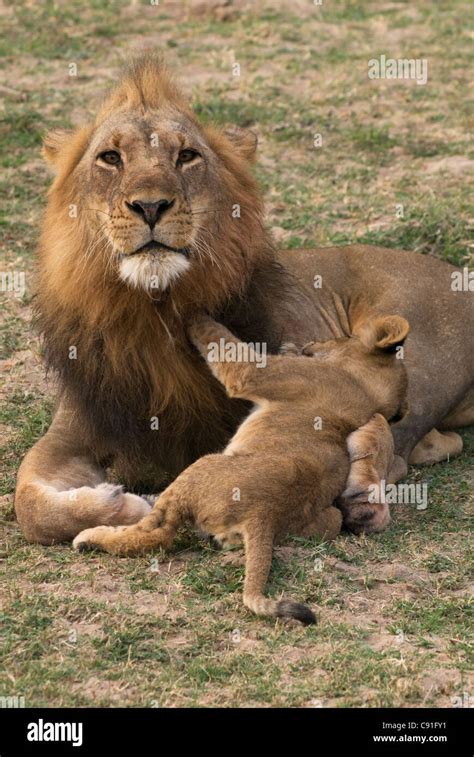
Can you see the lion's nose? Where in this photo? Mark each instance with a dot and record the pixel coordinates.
(151, 212)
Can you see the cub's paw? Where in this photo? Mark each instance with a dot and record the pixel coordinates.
(363, 517)
(199, 327)
(95, 538)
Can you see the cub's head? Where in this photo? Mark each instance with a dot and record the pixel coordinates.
(373, 355)
(149, 197)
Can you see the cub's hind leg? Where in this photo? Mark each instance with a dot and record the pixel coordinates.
(327, 524)
(371, 453)
(156, 530)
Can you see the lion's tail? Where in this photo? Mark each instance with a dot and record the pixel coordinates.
(258, 559)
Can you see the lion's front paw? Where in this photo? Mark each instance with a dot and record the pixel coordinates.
(95, 538)
(133, 509)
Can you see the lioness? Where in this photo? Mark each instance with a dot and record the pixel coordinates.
(151, 218)
(279, 475)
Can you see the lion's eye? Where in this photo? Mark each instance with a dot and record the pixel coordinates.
(186, 156)
(111, 157)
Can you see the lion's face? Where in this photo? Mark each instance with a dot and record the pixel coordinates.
(163, 201)
(152, 183)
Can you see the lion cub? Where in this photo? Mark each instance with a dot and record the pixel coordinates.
(287, 463)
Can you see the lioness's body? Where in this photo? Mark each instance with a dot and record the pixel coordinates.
(132, 392)
(358, 280)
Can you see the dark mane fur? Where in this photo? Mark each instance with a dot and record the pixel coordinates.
(133, 359)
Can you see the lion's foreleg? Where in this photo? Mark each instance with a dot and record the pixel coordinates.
(61, 490)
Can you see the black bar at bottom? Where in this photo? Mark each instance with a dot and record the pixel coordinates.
(136, 731)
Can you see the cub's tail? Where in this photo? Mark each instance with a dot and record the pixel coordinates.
(258, 559)
(285, 608)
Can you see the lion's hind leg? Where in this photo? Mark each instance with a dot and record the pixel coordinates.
(435, 447)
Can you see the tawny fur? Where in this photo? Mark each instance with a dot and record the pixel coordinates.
(135, 402)
(287, 463)
(371, 456)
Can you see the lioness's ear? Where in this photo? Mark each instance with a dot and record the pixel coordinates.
(385, 333)
(54, 141)
(244, 141)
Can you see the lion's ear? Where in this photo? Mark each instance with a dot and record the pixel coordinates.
(244, 141)
(385, 333)
(54, 141)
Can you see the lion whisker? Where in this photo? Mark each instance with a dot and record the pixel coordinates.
(91, 248)
(100, 211)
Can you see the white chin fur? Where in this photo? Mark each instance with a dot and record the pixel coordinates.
(153, 273)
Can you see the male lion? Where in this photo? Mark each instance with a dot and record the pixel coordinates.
(286, 474)
(152, 217)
